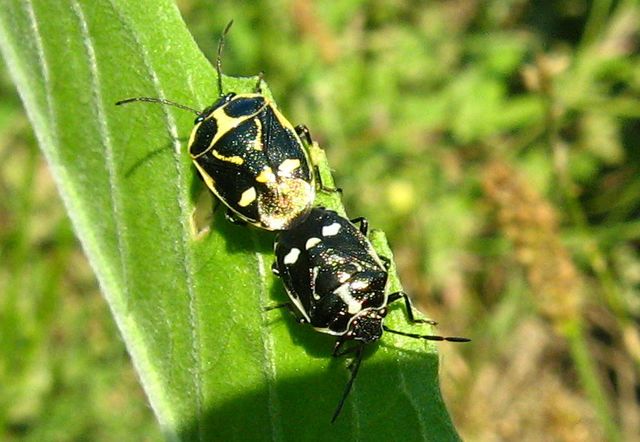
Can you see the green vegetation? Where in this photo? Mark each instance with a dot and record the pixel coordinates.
(496, 144)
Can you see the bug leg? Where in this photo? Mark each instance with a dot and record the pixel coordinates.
(409, 308)
(304, 133)
(233, 219)
(326, 189)
(289, 307)
(339, 351)
(274, 269)
(353, 367)
(259, 82)
(364, 224)
(277, 306)
(387, 264)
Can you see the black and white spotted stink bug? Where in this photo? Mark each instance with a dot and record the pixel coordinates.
(337, 283)
(250, 156)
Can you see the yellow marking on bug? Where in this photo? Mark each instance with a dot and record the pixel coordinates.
(266, 175)
(224, 122)
(248, 196)
(232, 159)
(287, 166)
(257, 143)
(208, 180)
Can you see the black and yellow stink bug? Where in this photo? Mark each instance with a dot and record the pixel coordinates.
(250, 156)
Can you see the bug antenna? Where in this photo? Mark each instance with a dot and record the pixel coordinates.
(427, 337)
(219, 57)
(158, 100)
(354, 367)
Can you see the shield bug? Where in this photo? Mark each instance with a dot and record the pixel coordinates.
(338, 284)
(250, 156)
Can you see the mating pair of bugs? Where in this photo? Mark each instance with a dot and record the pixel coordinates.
(257, 164)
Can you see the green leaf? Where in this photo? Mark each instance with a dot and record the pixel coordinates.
(190, 307)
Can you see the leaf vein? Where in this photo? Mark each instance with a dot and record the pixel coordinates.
(183, 204)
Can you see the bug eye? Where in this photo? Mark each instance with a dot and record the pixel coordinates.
(204, 114)
(242, 107)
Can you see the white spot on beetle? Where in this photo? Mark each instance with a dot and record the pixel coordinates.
(248, 196)
(292, 256)
(314, 279)
(360, 284)
(266, 176)
(331, 230)
(344, 293)
(296, 301)
(288, 166)
(344, 276)
(312, 242)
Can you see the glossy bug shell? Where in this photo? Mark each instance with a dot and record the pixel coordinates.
(332, 275)
(253, 160)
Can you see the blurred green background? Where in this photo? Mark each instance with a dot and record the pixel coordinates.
(498, 145)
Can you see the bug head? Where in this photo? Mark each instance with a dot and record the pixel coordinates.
(366, 326)
(222, 101)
